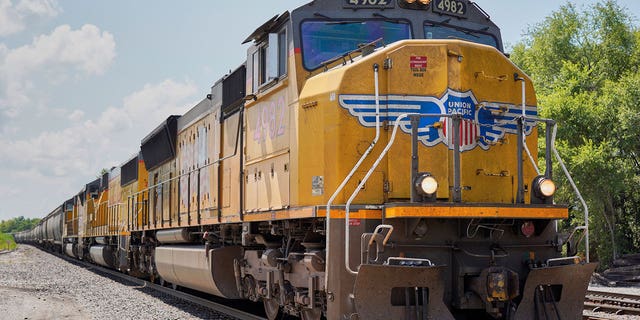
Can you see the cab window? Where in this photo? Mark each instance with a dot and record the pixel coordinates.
(269, 60)
(325, 40)
(433, 31)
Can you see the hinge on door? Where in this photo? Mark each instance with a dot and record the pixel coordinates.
(387, 64)
(386, 186)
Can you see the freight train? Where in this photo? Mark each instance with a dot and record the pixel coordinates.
(370, 159)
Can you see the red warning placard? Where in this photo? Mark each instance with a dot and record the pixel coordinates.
(418, 62)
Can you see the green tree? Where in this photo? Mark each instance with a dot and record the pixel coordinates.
(18, 224)
(585, 66)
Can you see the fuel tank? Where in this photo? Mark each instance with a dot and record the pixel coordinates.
(196, 268)
(102, 255)
(68, 249)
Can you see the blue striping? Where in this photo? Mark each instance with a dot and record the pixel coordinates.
(487, 126)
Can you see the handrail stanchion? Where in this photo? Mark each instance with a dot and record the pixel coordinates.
(455, 129)
(550, 124)
(520, 147)
(198, 196)
(415, 122)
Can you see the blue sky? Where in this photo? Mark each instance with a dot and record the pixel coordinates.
(81, 82)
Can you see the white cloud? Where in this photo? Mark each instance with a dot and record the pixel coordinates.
(76, 115)
(63, 52)
(83, 148)
(55, 164)
(13, 18)
(43, 8)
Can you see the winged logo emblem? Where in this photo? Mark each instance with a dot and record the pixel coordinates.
(483, 123)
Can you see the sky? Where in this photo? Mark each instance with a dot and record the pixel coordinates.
(82, 82)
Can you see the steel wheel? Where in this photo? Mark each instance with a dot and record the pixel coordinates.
(311, 314)
(271, 308)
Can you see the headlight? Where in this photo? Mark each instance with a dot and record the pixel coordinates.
(543, 190)
(427, 184)
(546, 187)
(413, 4)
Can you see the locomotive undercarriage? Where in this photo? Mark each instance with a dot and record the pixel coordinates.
(284, 266)
(424, 268)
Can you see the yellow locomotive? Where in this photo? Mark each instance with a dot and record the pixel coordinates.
(371, 159)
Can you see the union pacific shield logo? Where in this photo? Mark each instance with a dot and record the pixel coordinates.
(483, 123)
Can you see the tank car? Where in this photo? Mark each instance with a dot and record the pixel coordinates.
(369, 160)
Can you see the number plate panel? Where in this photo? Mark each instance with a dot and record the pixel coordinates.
(451, 7)
(355, 4)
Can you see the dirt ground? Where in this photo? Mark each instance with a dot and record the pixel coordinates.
(23, 296)
(20, 303)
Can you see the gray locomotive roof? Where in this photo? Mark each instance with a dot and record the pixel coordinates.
(476, 19)
(196, 113)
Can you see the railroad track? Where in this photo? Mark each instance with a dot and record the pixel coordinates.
(611, 303)
(218, 307)
(596, 302)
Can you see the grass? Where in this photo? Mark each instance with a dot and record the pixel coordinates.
(7, 240)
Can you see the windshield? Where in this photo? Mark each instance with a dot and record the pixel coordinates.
(441, 32)
(324, 40)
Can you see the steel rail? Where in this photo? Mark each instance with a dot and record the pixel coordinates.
(597, 301)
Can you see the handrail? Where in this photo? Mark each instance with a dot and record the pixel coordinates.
(343, 56)
(575, 189)
(366, 177)
(533, 162)
(147, 191)
(521, 121)
(235, 151)
(355, 167)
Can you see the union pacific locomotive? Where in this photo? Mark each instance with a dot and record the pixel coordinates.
(371, 159)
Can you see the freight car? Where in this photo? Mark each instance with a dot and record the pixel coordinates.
(369, 160)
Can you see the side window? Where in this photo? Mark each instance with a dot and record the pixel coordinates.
(256, 70)
(269, 61)
(282, 52)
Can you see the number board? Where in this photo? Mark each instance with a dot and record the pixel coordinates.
(355, 4)
(452, 7)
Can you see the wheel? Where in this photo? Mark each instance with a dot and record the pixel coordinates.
(271, 308)
(311, 314)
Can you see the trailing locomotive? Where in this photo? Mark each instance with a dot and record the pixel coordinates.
(369, 160)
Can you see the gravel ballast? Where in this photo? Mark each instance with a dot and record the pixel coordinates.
(37, 285)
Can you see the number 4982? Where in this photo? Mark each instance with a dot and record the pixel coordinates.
(451, 6)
